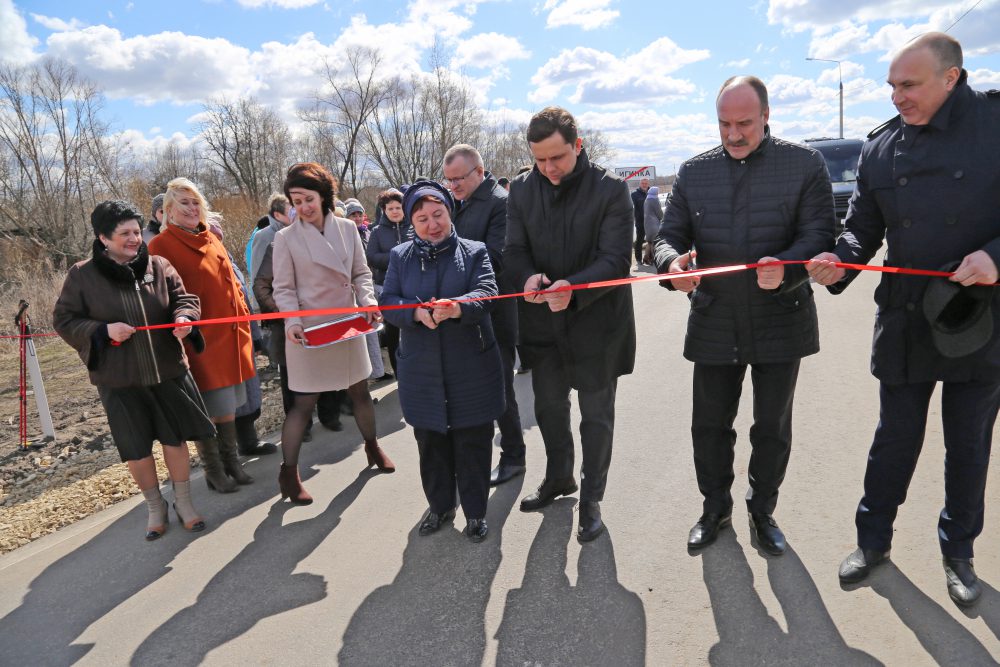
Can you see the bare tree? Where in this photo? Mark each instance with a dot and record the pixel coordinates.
(599, 149)
(352, 91)
(248, 142)
(418, 121)
(397, 137)
(504, 148)
(57, 157)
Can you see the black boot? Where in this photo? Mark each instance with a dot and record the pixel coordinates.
(248, 440)
(215, 475)
(227, 452)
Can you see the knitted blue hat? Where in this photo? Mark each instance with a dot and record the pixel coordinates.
(421, 189)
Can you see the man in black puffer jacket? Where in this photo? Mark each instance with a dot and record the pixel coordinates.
(754, 198)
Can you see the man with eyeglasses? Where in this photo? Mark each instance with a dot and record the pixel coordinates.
(481, 215)
(570, 222)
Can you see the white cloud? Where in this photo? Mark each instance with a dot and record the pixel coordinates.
(57, 24)
(800, 15)
(146, 147)
(16, 45)
(280, 4)
(602, 78)
(168, 66)
(843, 29)
(644, 136)
(832, 75)
(586, 14)
(984, 79)
(738, 64)
(488, 50)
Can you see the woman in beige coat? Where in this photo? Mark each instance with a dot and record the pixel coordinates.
(319, 262)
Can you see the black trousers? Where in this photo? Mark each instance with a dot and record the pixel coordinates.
(717, 391)
(512, 448)
(640, 237)
(459, 458)
(968, 412)
(390, 336)
(597, 425)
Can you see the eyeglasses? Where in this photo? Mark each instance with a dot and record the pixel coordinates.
(457, 181)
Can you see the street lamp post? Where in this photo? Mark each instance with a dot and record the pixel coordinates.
(840, 75)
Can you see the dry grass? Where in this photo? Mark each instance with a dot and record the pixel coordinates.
(36, 281)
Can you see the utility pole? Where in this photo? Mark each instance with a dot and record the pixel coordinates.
(840, 75)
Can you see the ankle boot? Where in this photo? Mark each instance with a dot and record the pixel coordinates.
(156, 525)
(227, 450)
(248, 440)
(377, 457)
(291, 485)
(215, 475)
(183, 507)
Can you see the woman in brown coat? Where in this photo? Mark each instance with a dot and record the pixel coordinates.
(203, 263)
(142, 377)
(319, 262)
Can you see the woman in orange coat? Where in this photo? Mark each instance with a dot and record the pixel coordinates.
(227, 362)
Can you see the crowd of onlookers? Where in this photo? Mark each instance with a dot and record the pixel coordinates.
(200, 383)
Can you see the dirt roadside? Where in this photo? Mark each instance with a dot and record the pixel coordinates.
(54, 484)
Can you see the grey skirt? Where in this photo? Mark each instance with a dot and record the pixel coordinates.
(171, 412)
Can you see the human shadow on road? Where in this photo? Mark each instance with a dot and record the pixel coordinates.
(748, 634)
(82, 587)
(549, 622)
(433, 612)
(988, 609)
(946, 640)
(256, 584)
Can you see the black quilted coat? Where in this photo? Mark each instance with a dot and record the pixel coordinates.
(776, 202)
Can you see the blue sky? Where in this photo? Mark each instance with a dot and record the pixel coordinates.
(645, 74)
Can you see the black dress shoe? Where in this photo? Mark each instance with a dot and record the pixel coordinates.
(476, 530)
(859, 564)
(707, 529)
(504, 472)
(769, 536)
(432, 522)
(261, 449)
(963, 584)
(590, 521)
(547, 492)
(333, 425)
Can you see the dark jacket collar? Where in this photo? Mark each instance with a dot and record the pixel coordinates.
(761, 149)
(572, 180)
(428, 250)
(955, 104)
(121, 273)
(485, 189)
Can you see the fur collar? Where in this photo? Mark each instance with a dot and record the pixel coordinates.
(136, 270)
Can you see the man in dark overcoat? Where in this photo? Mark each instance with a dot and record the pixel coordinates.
(929, 186)
(754, 198)
(481, 215)
(569, 222)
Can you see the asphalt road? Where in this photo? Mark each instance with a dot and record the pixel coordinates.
(347, 580)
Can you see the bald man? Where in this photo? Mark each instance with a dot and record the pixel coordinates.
(929, 186)
(754, 198)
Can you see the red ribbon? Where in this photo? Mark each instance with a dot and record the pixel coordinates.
(732, 268)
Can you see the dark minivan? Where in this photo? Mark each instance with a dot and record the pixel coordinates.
(841, 157)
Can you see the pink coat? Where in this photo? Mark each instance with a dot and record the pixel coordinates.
(328, 270)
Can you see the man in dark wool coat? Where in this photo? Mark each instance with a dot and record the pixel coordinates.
(753, 198)
(929, 186)
(570, 222)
